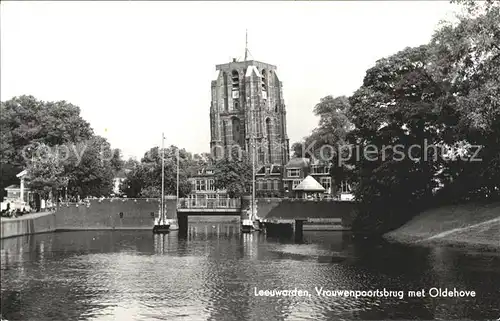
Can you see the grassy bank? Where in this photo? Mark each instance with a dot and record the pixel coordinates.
(467, 225)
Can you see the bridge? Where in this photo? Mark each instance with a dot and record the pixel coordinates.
(205, 206)
(213, 206)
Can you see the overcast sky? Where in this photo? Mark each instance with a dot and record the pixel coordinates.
(139, 68)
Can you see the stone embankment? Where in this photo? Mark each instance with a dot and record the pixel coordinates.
(123, 214)
(468, 225)
(28, 224)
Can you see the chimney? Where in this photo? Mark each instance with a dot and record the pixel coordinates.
(234, 59)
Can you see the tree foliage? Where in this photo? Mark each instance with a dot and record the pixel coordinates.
(332, 130)
(27, 122)
(144, 179)
(46, 175)
(234, 174)
(89, 169)
(444, 94)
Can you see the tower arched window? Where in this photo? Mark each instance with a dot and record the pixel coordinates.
(224, 134)
(235, 78)
(235, 124)
(235, 89)
(264, 84)
(264, 81)
(224, 75)
(269, 139)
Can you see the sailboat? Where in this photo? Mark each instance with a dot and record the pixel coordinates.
(248, 225)
(173, 223)
(161, 225)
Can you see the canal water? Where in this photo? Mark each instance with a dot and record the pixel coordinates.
(216, 273)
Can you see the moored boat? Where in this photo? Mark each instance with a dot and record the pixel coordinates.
(161, 228)
(162, 225)
(247, 226)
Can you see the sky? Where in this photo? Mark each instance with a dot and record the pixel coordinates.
(137, 69)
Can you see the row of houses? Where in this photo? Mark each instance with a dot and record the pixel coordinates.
(280, 181)
(270, 181)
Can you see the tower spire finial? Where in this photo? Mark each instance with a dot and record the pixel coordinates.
(246, 43)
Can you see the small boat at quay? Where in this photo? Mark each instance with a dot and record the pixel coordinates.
(247, 226)
(162, 225)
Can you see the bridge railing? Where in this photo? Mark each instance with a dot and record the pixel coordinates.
(211, 203)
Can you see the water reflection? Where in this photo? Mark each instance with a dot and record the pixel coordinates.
(212, 271)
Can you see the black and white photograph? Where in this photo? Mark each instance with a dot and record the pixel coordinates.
(250, 160)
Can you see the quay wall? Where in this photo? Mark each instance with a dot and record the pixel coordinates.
(137, 214)
(105, 214)
(96, 215)
(37, 223)
(322, 211)
(266, 205)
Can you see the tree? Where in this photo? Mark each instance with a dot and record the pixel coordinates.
(399, 104)
(46, 175)
(234, 174)
(297, 148)
(26, 121)
(466, 55)
(443, 94)
(329, 139)
(117, 162)
(145, 177)
(334, 123)
(150, 192)
(89, 169)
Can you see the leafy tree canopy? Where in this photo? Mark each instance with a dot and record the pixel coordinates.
(234, 174)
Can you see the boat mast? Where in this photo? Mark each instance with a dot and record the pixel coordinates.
(253, 172)
(177, 199)
(162, 178)
(253, 141)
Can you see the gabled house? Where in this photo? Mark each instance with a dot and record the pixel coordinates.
(295, 171)
(268, 181)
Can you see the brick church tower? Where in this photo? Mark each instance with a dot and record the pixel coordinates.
(247, 105)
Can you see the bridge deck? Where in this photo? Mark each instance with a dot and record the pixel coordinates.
(222, 210)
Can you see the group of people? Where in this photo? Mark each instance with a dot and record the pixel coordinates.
(14, 212)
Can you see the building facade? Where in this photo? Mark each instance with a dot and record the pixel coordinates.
(247, 106)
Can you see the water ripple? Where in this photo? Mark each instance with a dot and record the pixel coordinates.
(134, 275)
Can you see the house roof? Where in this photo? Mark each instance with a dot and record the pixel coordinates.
(261, 170)
(12, 187)
(319, 162)
(23, 173)
(276, 169)
(309, 184)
